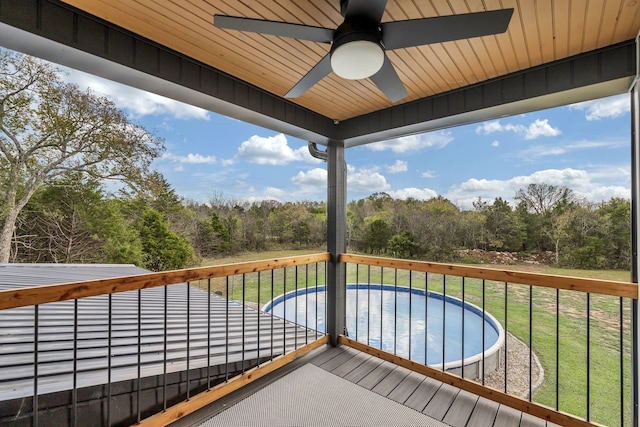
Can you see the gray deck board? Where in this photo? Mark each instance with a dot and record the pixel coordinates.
(439, 405)
(484, 414)
(378, 374)
(406, 388)
(507, 417)
(391, 381)
(351, 364)
(441, 401)
(461, 409)
(338, 360)
(423, 394)
(327, 355)
(363, 370)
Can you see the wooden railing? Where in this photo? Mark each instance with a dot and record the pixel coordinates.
(123, 349)
(574, 335)
(67, 291)
(549, 315)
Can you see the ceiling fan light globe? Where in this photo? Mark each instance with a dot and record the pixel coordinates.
(357, 59)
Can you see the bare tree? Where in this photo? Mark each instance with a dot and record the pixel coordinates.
(541, 198)
(49, 128)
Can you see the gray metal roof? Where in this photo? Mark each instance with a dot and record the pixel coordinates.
(57, 353)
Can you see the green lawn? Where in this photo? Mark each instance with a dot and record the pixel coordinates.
(522, 304)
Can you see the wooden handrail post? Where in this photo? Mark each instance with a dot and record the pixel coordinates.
(336, 240)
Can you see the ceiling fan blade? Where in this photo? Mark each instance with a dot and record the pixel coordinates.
(395, 34)
(372, 9)
(389, 82)
(317, 73)
(275, 28)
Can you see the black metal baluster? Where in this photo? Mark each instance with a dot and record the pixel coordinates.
(381, 304)
(188, 339)
(369, 307)
(621, 305)
(165, 347)
(444, 317)
(244, 320)
(36, 332)
(395, 310)
(426, 316)
(306, 304)
(557, 349)
(463, 338)
(484, 326)
(258, 315)
(209, 334)
(316, 326)
(588, 357)
(74, 390)
(226, 333)
(357, 314)
(506, 332)
(295, 313)
(284, 311)
(326, 275)
(139, 373)
(395, 313)
(530, 343)
(272, 316)
(109, 345)
(410, 308)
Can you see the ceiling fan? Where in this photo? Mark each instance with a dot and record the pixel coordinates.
(358, 45)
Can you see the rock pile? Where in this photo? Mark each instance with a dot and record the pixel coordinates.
(505, 258)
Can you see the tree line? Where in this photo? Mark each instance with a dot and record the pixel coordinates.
(76, 221)
(545, 218)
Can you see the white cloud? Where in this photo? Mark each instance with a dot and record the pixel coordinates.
(313, 179)
(580, 181)
(495, 126)
(190, 158)
(138, 102)
(413, 142)
(428, 174)
(541, 128)
(495, 143)
(414, 193)
(397, 167)
(537, 151)
(366, 180)
(533, 131)
(611, 107)
(273, 150)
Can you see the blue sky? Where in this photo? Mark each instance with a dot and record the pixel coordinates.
(584, 146)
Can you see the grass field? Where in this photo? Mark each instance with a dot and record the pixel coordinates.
(551, 313)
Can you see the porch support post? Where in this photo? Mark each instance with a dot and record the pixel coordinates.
(635, 229)
(336, 240)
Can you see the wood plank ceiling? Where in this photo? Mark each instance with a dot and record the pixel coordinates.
(540, 31)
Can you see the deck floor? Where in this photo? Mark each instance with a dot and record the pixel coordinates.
(440, 401)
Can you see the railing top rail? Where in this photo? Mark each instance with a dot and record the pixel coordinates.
(579, 284)
(13, 298)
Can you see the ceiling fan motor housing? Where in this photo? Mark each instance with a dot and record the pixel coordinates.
(357, 51)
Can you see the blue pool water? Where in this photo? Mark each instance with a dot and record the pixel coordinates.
(395, 321)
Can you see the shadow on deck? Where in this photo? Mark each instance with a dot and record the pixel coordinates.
(436, 402)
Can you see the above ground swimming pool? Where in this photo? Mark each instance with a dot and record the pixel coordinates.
(379, 315)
